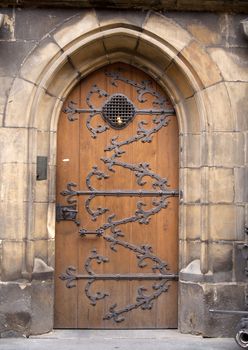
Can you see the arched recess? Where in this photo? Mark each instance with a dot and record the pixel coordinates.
(87, 42)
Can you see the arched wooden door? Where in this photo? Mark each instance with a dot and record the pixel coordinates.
(117, 204)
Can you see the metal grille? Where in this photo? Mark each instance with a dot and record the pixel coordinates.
(118, 111)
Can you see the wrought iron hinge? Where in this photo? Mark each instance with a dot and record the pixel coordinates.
(67, 213)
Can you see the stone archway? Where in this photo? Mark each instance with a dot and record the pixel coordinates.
(170, 55)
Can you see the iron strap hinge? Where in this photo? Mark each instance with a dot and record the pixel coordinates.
(138, 193)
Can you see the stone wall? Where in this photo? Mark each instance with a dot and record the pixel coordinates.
(201, 60)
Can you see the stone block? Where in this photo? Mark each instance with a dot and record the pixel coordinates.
(5, 83)
(233, 63)
(85, 55)
(195, 300)
(58, 86)
(241, 188)
(192, 193)
(193, 250)
(18, 104)
(13, 54)
(191, 306)
(202, 65)
(76, 27)
(132, 18)
(204, 26)
(40, 222)
(43, 20)
(221, 261)
(191, 150)
(179, 80)
(45, 109)
(238, 93)
(167, 30)
(12, 260)
(12, 203)
(227, 149)
(221, 185)
(193, 221)
(15, 309)
(222, 296)
(41, 191)
(40, 249)
(240, 263)
(123, 41)
(153, 54)
(193, 124)
(219, 111)
(39, 60)
(42, 307)
(223, 222)
(14, 143)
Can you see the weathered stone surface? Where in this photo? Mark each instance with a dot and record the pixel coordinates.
(193, 123)
(203, 66)
(153, 54)
(14, 151)
(79, 24)
(12, 55)
(191, 150)
(195, 301)
(180, 81)
(191, 305)
(221, 185)
(58, 87)
(220, 261)
(41, 271)
(227, 149)
(165, 28)
(40, 249)
(40, 224)
(233, 63)
(46, 106)
(85, 56)
(238, 93)
(129, 17)
(15, 307)
(12, 201)
(240, 263)
(226, 222)
(219, 112)
(43, 20)
(193, 185)
(18, 104)
(12, 260)
(5, 83)
(193, 221)
(120, 41)
(222, 296)
(42, 307)
(241, 188)
(39, 60)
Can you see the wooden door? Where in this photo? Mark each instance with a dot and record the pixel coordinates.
(117, 204)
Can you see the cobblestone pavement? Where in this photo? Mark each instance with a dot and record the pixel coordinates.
(117, 340)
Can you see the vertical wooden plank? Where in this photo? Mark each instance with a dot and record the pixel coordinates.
(66, 232)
